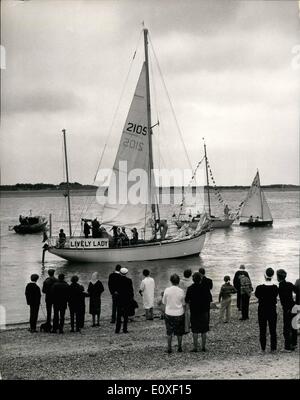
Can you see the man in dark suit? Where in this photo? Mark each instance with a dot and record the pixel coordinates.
(124, 298)
(237, 284)
(60, 295)
(48, 282)
(33, 298)
(208, 283)
(112, 286)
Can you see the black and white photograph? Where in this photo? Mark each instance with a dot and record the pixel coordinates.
(149, 193)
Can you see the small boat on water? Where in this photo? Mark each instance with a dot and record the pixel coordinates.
(214, 222)
(135, 151)
(31, 224)
(255, 211)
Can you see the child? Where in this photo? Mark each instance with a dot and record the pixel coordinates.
(225, 298)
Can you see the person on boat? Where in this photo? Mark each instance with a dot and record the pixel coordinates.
(186, 282)
(95, 290)
(60, 294)
(173, 299)
(135, 236)
(112, 286)
(237, 284)
(225, 299)
(33, 298)
(116, 236)
(257, 219)
(86, 229)
(286, 292)
(245, 289)
(250, 220)
(95, 228)
(20, 219)
(125, 296)
(76, 303)
(267, 299)
(61, 238)
(162, 228)
(147, 288)
(47, 285)
(124, 238)
(198, 297)
(226, 211)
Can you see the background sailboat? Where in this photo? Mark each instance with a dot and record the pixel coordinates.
(134, 153)
(255, 210)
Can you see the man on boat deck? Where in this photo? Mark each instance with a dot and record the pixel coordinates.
(250, 219)
(95, 228)
(135, 236)
(62, 238)
(86, 229)
(226, 210)
(257, 219)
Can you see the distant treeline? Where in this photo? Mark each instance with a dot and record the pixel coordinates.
(79, 186)
(46, 186)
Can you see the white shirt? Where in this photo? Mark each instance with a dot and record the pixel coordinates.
(147, 287)
(173, 299)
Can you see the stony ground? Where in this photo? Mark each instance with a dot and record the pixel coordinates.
(98, 353)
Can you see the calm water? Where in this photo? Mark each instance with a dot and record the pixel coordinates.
(224, 250)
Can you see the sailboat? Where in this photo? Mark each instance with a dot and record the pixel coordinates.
(214, 222)
(134, 152)
(255, 211)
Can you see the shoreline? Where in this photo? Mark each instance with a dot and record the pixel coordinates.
(98, 353)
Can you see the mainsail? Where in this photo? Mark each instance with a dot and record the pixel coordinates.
(131, 192)
(256, 204)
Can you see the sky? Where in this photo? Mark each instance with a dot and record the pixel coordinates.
(232, 70)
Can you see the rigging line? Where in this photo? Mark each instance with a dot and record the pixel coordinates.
(171, 105)
(118, 106)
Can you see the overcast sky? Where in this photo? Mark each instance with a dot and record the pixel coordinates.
(227, 66)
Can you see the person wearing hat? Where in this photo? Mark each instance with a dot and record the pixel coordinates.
(237, 284)
(33, 298)
(47, 285)
(267, 315)
(286, 291)
(124, 299)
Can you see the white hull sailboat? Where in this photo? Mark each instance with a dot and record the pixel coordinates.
(135, 152)
(214, 222)
(255, 211)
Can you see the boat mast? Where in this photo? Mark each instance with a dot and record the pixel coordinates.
(149, 130)
(68, 185)
(207, 181)
(261, 202)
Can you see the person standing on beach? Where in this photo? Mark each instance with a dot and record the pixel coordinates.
(125, 297)
(60, 294)
(237, 284)
(95, 289)
(186, 282)
(297, 286)
(76, 303)
(286, 291)
(208, 283)
(173, 299)
(47, 285)
(198, 297)
(245, 289)
(225, 298)
(33, 298)
(267, 299)
(112, 286)
(147, 291)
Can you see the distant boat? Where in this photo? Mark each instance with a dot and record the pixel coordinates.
(214, 222)
(135, 148)
(31, 224)
(255, 211)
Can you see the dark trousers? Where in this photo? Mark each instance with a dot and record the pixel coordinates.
(59, 317)
(49, 305)
(114, 308)
(238, 300)
(75, 316)
(34, 312)
(270, 319)
(122, 312)
(245, 299)
(289, 334)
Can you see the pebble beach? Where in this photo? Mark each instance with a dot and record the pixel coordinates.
(233, 352)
